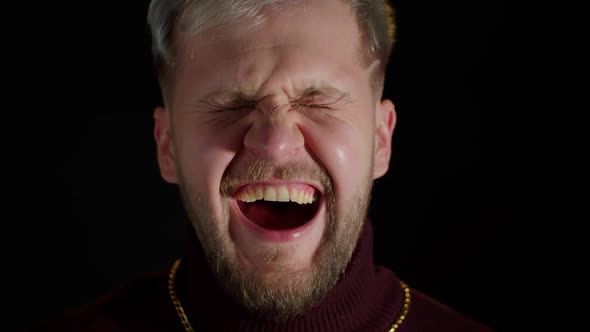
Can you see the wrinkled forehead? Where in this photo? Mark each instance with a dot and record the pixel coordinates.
(311, 39)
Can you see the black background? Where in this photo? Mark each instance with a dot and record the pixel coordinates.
(486, 168)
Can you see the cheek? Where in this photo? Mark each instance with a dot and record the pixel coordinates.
(345, 149)
(205, 152)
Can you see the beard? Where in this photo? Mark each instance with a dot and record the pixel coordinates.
(281, 294)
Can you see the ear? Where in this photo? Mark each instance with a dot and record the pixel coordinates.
(164, 144)
(385, 123)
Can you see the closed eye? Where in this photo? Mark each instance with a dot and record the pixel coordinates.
(311, 106)
(237, 108)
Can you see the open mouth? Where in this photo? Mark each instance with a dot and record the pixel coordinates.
(280, 207)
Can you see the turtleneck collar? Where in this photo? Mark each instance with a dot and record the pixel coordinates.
(366, 298)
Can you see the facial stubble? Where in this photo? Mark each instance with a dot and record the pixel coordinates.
(283, 294)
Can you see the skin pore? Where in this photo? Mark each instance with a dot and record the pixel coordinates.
(284, 103)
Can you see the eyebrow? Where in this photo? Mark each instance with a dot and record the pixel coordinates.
(325, 91)
(241, 97)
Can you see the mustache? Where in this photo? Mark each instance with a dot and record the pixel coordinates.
(263, 170)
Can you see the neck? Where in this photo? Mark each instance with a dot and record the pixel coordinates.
(350, 305)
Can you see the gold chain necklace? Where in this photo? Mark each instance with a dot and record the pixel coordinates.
(188, 327)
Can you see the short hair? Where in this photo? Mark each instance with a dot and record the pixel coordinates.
(374, 17)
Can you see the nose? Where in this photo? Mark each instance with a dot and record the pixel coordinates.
(275, 138)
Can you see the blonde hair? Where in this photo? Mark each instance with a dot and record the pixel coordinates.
(375, 19)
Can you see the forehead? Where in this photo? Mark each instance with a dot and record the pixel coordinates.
(313, 43)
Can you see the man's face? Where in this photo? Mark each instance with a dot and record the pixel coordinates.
(283, 111)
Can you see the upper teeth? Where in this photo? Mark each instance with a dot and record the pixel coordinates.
(276, 194)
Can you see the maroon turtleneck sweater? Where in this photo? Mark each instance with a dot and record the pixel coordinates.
(366, 298)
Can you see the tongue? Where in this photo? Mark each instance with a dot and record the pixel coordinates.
(278, 215)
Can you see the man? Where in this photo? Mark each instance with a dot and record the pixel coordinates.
(274, 129)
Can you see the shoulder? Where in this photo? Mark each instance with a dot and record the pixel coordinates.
(427, 314)
(141, 305)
